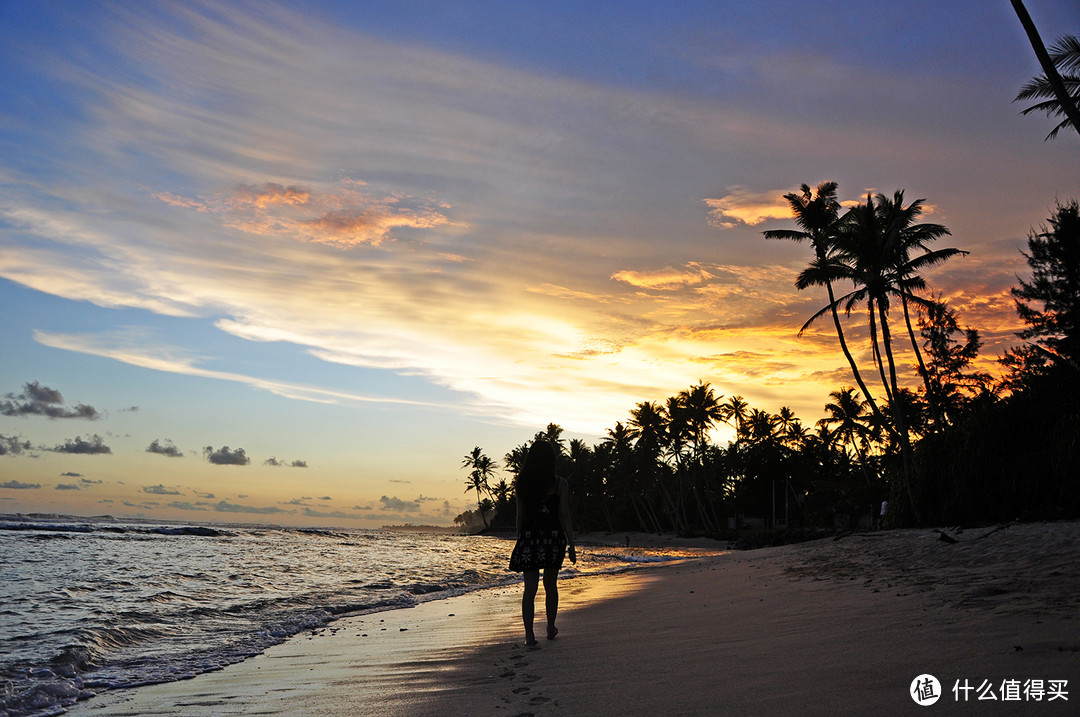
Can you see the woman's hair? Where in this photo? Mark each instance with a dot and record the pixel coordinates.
(536, 476)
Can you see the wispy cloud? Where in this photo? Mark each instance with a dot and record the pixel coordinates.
(344, 218)
(537, 244)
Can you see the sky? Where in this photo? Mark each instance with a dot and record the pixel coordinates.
(290, 262)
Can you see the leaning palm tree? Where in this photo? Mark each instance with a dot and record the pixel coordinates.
(818, 216)
(1063, 92)
(1065, 55)
(483, 469)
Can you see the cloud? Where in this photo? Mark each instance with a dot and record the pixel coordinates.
(68, 486)
(226, 456)
(164, 448)
(159, 489)
(254, 227)
(94, 445)
(87, 481)
(312, 513)
(17, 485)
(283, 463)
(668, 278)
(224, 507)
(344, 218)
(184, 505)
(206, 496)
(13, 446)
(743, 207)
(38, 400)
(396, 505)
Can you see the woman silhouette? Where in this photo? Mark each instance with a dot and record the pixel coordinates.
(544, 532)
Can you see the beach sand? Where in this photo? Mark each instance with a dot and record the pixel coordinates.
(831, 627)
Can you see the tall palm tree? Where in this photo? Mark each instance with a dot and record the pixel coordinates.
(874, 252)
(1063, 91)
(483, 469)
(819, 221)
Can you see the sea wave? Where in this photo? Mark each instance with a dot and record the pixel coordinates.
(120, 605)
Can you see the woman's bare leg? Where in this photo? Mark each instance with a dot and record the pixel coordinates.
(551, 600)
(532, 582)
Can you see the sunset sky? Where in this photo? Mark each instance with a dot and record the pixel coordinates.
(350, 241)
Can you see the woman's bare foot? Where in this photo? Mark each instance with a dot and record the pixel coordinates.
(552, 632)
(530, 640)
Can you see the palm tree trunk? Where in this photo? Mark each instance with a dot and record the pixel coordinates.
(877, 353)
(847, 352)
(898, 416)
(931, 401)
(1068, 106)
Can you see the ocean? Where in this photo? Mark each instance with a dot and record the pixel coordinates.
(89, 605)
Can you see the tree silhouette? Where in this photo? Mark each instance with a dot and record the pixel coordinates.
(1050, 302)
(874, 249)
(483, 469)
(1063, 91)
(818, 218)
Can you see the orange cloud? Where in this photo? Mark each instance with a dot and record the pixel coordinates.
(667, 278)
(745, 208)
(269, 194)
(343, 218)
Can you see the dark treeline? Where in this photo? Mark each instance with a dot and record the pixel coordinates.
(956, 446)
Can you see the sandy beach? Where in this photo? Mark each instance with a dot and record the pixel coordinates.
(831, 627)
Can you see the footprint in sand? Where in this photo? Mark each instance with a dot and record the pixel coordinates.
(522, 690)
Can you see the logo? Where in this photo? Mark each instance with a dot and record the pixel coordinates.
(925, 690)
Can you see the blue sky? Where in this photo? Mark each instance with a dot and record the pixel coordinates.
(354, 240)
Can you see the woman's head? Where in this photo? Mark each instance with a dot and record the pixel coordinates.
(537, 475)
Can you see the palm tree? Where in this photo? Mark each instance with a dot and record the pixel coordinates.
(873, 251)
(553, 435)
(703, 410)
(819, 220)
(483, 469)
(1063, 91)
(847, 412)
(647, 424)
(735, 412)
(761, 426)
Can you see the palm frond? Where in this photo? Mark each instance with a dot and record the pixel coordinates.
(1065, 53)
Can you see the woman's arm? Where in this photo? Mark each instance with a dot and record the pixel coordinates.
(564, 517)
(519, 521)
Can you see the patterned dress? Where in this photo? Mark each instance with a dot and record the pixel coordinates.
(542, 542)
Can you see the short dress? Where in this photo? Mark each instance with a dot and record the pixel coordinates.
(542, 542)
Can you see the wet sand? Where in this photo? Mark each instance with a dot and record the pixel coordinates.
(831, 627)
